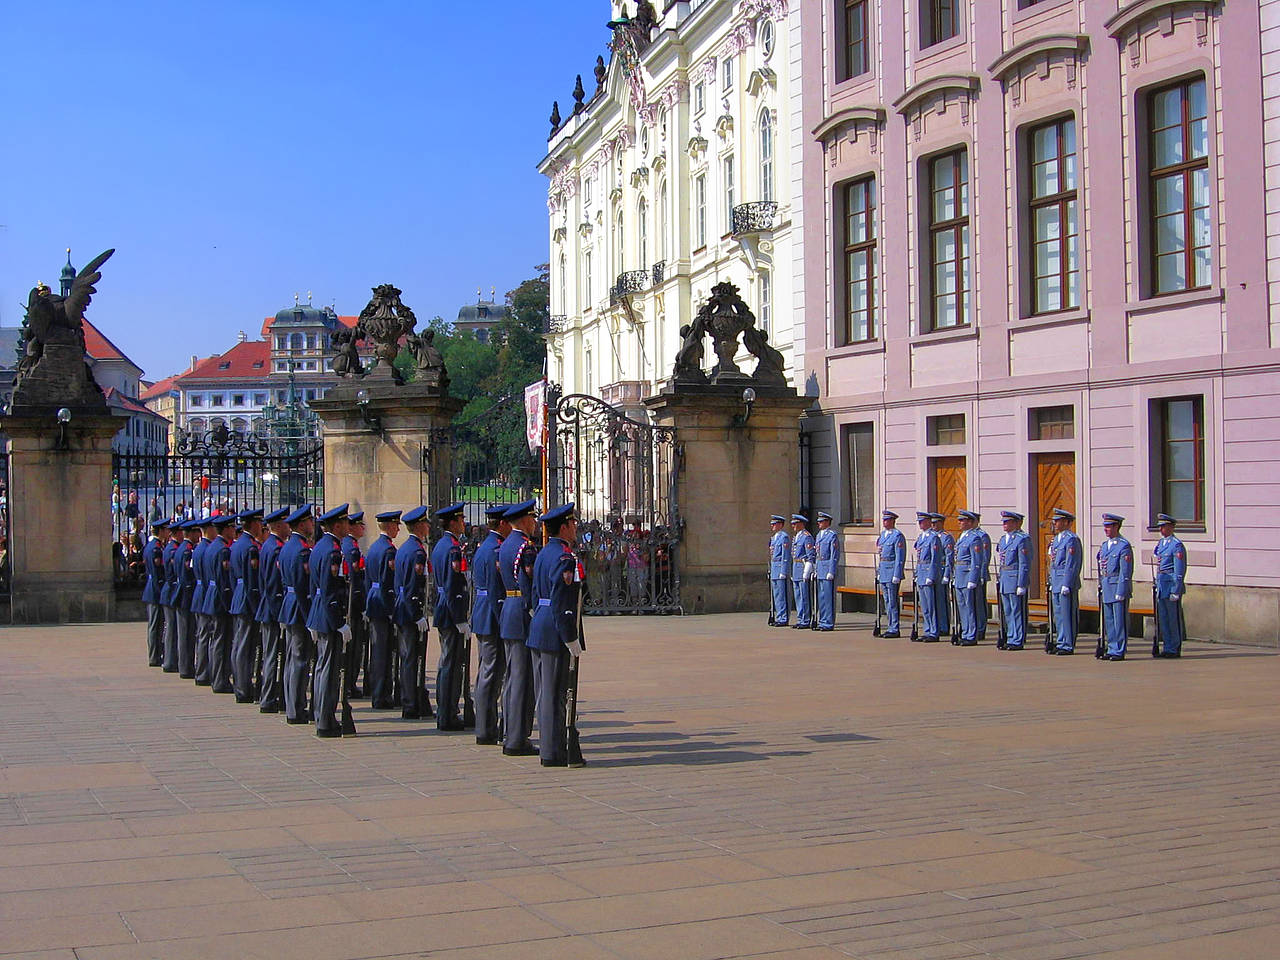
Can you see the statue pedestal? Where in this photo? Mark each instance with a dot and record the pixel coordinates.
(375, 471)
(732, 478)
(60, 504)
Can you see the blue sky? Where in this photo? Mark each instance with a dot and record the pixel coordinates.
(235, 153)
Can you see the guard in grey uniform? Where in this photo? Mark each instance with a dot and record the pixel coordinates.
(153, 564)
(294, 559)
(516, 558)
(246, 593)
(379, 604)
(1170, 560)
(485, 621)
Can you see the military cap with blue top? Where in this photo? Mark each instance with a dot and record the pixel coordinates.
(451, 511)
(357, 517)
(888, 515)
(299, 515)
(223, 520)
(254, 513)
(777, 519)
(1011, 515)
(387, 516)
(937, 516)
(1165, 518)
(923, 515)
(276, 515)
(799, 518)
(1112, 518)
(967, 515)
(414, 515)
(496, 512)
(337, 513)
(823, 515)
(159, 524)
(1060, 514)
(521, 509)
(557, 513)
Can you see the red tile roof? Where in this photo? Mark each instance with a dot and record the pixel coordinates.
(162, 387)
(236, 364)
(117, 399)
(99, 347)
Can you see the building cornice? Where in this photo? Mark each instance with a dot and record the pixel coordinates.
(833, 123)
(1130, 16)
(1068, 43)
(965, 83)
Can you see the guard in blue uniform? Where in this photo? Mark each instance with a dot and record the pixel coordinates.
(452, 614)
(553, 633)
(216, 604)
(984, 577)
(891, 564)
(271, 596)
(410, 613)
(204, 668)
(246, 595)
(352, 557)
(969, 560)
(830, 554)
(804, 557)
(1066, 558)
(779, 569)
(928, 571)
(516, 558)
(184, 564)
(486, 613)
(294, 562)
(1170, 560)
(1013, 578)
(942, 589)
(169, 596)
(1115, 573)
(327, 618)
(153, 564)
(379, 605)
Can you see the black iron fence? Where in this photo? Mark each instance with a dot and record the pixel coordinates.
(6, 565)
(754, 217)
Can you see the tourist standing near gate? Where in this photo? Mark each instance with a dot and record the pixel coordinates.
(830, 558)
(1066, 557)
(379, 607)
(294, 561)
(1012, 578)
(516, 558)
(486, 615)
(410, 613)
(553, 633)
(271, 597)
(779, 570)
(891, 564)
(452, 610)
(1170, 559)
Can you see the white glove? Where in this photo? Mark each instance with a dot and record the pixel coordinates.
(928, 583)
(1064, 591)
(575, 647)
(808, 569)
(422, 624)
(897, 580)
(464, 628)
(1173, 597)
(344, 632)
(945, 581)
(970, 586)
(1021, 590)
(831, 576)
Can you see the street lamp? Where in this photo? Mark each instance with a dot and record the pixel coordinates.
(64, 417)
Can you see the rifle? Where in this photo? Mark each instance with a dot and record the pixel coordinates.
(875, 579)
(955, 610)
(468, 705)
(1002, 641)
(769, 582)
(348, 725)
(573, 746)
(813, 598)
(915, 603)
(422, 698)
(1155, 605)
(1100, 648)
(1051, 638)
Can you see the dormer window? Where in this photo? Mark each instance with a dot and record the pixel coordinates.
(225, 365)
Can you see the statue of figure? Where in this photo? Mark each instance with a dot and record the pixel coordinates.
(601, 72)
(346, 361)
(688, 366)
(427, 356)
(769, 369)
(384, 320)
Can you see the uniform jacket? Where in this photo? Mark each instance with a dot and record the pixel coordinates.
(184, 563)
(1015, 562)
(948, 544)
(1115, 568)
(556, 582)
(153, 563)
(217, 578)
(803, 550)
(295, 580)
(271, 588)
(246, 591)
(516, 558)
(354, 560)
(328, 586)
(891, 548)
(410, 582)
(485, 610)
(453, 604)
(172, 578)
(197, 568)
(984, 568)
(830, 553)
(380, 579)
(929, 559)
(1066, 557)
(969, 558)
(1171, 570)
(779, 555)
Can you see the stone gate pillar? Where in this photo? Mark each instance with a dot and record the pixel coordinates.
(733, 475)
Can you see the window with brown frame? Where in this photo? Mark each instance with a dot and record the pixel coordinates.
(948, 255)
(1177, 459)
(854, 61)
(938, 21)
(1178, 185)
(1054, 228)
(1052, 423)
(944, 430)
(859, 261)
(860, 459)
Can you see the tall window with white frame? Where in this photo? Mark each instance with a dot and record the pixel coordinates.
(726, 177)
(766, 154)
(1179, 227)
(726, 74)
(1053, 218)
(948, 254)
(642, 232)
(700, 210)
(619, 243)
(764, 317)
(586, 370)
(564, 273)
(853, 25)
(859, 262)
(586, 281)
(662, 220)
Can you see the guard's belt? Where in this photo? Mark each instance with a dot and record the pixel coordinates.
(514, 593)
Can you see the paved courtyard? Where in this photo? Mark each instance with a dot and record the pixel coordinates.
(751, 792)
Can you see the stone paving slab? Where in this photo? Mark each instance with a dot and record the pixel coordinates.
(751, 793)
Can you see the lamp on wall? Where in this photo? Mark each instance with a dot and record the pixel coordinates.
(64, 417)
(371, 419)
(748, 398)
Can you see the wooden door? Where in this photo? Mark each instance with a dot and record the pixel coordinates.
(948, 490)
(1053, 479)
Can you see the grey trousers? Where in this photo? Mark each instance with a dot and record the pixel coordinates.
(269, 685)
(551, 680)
(297, 668)
(220, 651)
(489, 673)
(244, 646)
(378, 681)
(409, 652)
(449, 677)
(354, 653)
(204, 669)
(170, 640)
(186, 630)
(328, 660)
(155, 634)
(517, 695)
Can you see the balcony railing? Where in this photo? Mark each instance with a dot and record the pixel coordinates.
(556, 323)
(633, 281)
(659, 272)
(754, 217)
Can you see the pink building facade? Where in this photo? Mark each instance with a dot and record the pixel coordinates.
(1041, 267)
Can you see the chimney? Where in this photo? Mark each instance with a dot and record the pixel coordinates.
(194, 358)
(241, 338)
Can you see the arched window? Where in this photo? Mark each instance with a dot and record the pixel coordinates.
(766, 155)
(642, 231)
(662, 220)
(239, 425)
(586, 280)
(297, 341)
(196, 425)
(619, 243)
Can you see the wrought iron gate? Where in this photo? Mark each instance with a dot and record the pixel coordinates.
(6, 564)
(221, 471)
(622, 475)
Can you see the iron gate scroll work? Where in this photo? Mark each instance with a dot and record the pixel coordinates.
(622, 474)
(233, 471)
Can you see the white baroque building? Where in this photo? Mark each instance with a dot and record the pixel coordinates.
(675, 174)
